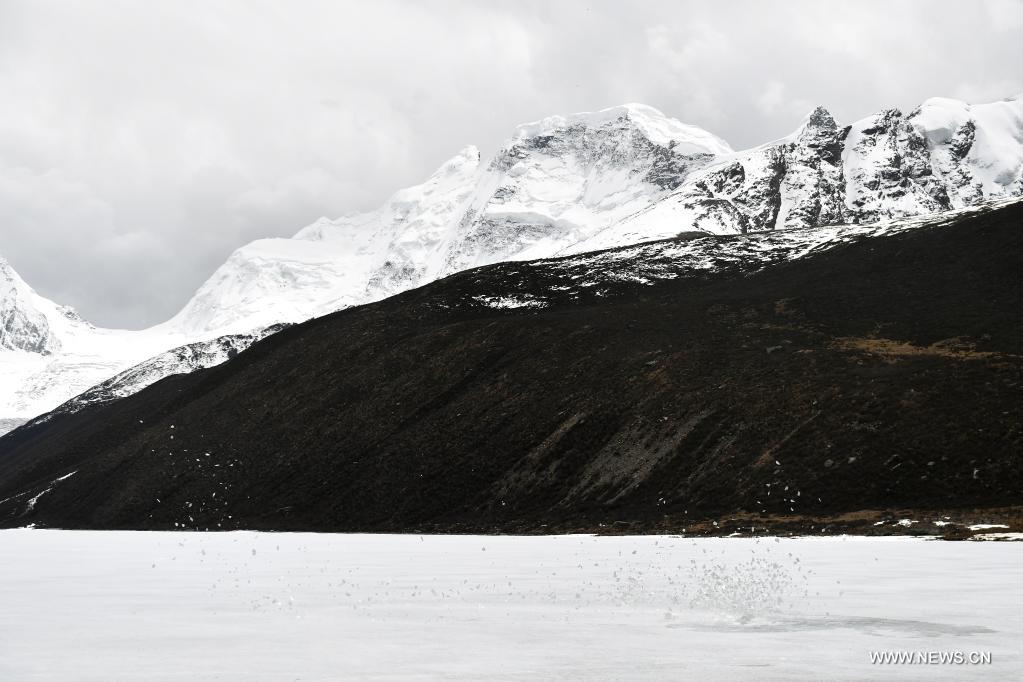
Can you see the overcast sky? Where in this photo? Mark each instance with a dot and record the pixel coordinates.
(141, 142)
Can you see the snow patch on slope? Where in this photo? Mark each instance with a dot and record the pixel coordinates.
(32, 502)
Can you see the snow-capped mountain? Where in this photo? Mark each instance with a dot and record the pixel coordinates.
(48, 353)
(560, 186)
(556, 183)
(571, 184)
(25, 316)
(945, 154)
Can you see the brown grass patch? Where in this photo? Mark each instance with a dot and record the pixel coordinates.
(955, 348)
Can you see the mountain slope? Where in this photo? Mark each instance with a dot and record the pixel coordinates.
(563, 185)
(553, 183)
(878, 367)
(48, 354)
(25, 316)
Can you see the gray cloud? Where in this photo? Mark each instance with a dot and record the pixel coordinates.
(141, 142)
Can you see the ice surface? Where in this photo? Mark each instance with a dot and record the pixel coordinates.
(248, 606)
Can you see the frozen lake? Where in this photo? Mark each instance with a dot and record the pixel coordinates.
(257, 606)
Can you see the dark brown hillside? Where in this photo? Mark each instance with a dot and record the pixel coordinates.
(884, 374)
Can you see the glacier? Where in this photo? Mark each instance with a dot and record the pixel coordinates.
(561, 186)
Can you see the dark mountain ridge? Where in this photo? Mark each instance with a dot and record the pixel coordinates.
(881, 374)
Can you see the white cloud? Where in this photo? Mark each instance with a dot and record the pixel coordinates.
(772, 98)
(688, 56)
(1006, 15)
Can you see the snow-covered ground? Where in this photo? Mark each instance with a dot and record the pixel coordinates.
(248, 606)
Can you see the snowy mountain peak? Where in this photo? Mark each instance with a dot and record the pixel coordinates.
(985, 138)
(6, 271)
(816, 122)
(946, 103)
(945, 154)
(23, 326)
(552, 185)
(818, 136)
(469, 154)
(659, 129)
(938, 118)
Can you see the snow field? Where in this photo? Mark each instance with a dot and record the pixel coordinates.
(273, 606)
